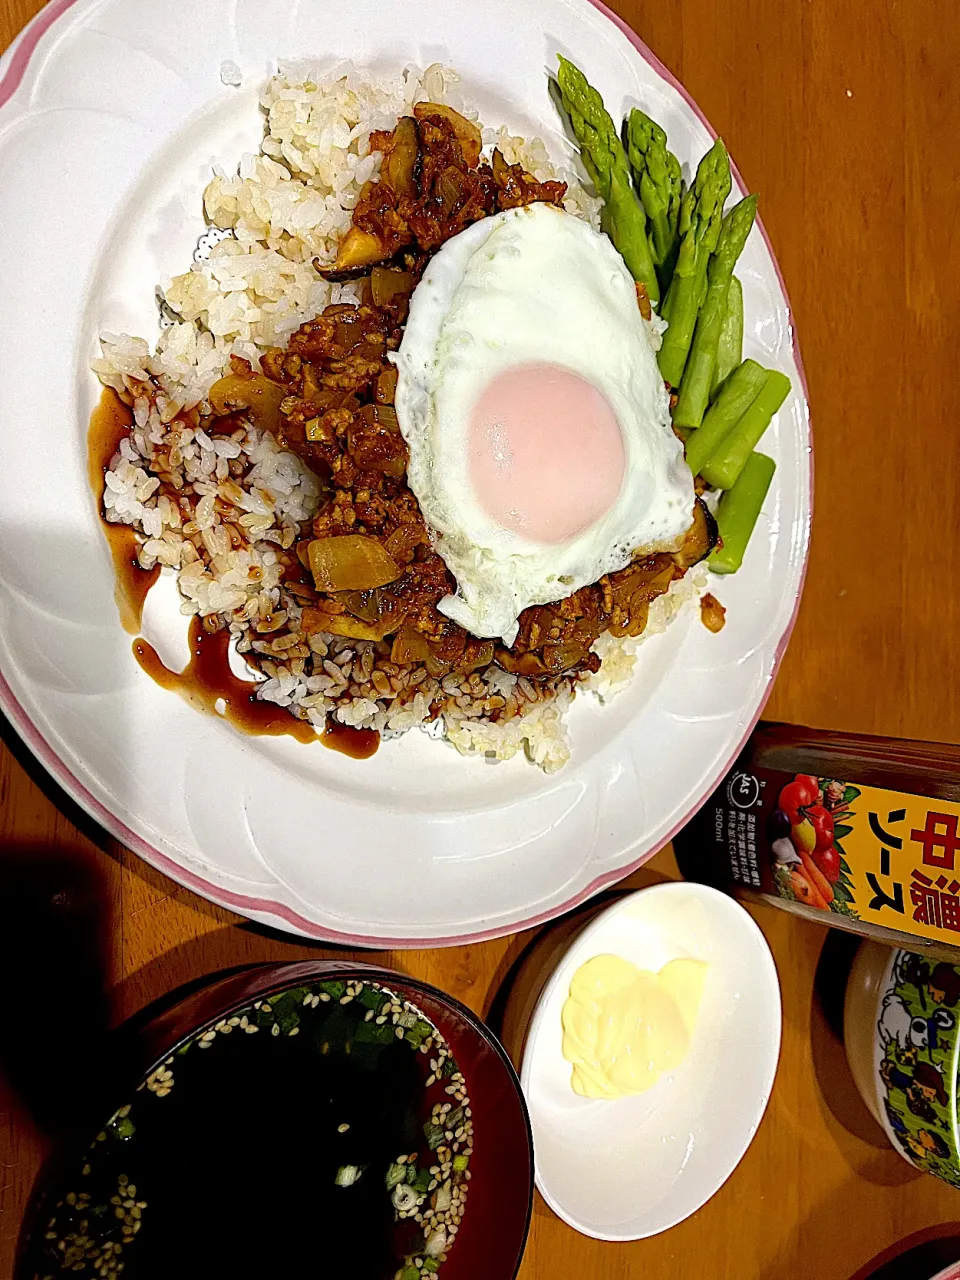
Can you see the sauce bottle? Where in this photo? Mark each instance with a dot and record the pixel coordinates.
(858, 832)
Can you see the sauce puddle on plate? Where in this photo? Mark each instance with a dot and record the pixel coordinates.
(207, 678)
(109, 423)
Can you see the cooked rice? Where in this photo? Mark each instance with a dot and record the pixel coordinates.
(216, 510)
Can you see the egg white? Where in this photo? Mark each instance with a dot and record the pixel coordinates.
(528, 285)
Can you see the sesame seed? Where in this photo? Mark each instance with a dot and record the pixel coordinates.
(342, 1128)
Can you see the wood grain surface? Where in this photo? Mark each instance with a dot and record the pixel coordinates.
(844, 117)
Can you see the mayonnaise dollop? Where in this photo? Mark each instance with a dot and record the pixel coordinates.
(623, 1027)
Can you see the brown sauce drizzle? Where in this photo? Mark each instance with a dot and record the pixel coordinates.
(109, 423)
(208, 678)
(358, 744)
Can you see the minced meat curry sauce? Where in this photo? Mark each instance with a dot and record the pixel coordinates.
(370, 572)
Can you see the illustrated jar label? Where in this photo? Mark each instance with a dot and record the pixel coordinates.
(887, 858)
(916, 1048)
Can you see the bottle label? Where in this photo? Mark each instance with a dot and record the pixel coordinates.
(884, 857)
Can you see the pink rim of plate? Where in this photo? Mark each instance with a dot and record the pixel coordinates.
(239, 902)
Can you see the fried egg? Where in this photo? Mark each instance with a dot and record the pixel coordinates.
(537, 422)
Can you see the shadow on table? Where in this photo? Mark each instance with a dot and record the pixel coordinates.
(200, 961)
(838, 1091)
(920, 1257)
(43, 781)
(90, 828)
(53, 940)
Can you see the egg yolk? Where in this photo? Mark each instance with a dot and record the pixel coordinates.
(546, 452)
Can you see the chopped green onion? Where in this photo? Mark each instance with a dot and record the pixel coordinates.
(422, 1181)
(460, 1164)
(433, 1134)
(431, 1264)
(395, 1175)
(347, 1175)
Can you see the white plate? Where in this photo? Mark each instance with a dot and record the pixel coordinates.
(636, 1166)
(111, 113)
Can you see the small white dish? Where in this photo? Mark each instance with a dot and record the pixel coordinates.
(631, 1168)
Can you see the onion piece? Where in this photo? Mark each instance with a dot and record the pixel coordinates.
(351, 562)
(253, 392)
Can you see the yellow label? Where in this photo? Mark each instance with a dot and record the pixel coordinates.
(903, 855)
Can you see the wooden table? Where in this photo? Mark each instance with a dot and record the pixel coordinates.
(845, 118)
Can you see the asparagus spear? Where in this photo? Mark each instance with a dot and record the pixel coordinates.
(727, 462)
(730, 347)
(702, 360)
(656, 176)
(738, 511)
(701, 216)
(606, 162)
(736, 396)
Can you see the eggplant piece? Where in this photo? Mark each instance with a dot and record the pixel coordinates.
(700, 539)
(260, 396)
(521, 664)
(390, 285)
(342, 624)
(465, 131)
(401, 166)
(358, 252)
